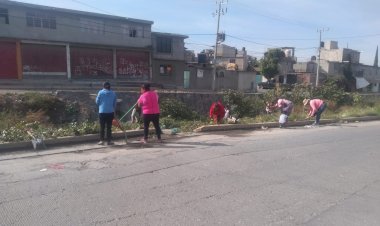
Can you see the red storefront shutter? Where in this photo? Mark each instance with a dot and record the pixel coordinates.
(43, 58)
(86, 62)
(132, 64)
(8, 60)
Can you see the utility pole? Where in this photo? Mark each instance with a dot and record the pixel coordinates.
(319, 54)
(219, 11)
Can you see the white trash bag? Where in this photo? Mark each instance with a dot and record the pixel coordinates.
(283, 119)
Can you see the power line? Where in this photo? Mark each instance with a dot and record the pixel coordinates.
(90, 6)
(199, 44)
(241, 39)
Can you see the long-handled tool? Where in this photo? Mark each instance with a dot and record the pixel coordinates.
(116, 122)
(128, 111)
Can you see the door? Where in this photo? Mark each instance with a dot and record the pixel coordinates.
(186, 79)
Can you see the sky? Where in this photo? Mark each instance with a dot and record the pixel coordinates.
(254, 24)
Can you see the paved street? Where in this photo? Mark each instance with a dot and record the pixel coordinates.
(296, 176)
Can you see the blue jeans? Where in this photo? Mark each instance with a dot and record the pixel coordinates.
(318, 113)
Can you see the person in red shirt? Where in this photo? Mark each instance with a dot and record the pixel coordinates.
(317, 106)
(148, 102)
(217, 112)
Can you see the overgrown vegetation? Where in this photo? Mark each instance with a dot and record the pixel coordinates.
(269, 63)
(47, 116)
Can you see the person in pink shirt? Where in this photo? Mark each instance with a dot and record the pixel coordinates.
(148, 102)
(317, 106)
(286, 107)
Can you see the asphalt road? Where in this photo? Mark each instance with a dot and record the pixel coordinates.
(297, 176)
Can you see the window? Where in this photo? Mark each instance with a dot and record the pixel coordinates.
(4, 16)
(132, 32)
(43, 20)
(164, 45)
(166, 69)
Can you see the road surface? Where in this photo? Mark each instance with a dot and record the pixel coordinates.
(297, 176)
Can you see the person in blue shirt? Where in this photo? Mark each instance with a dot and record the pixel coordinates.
(106, 101)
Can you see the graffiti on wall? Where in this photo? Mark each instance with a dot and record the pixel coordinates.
(132, 64)
(91, 62)
(93, 66)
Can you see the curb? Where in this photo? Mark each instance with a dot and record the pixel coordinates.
(27, 145)
(224, 127)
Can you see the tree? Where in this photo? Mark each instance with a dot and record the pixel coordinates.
(252, 63)
(269, 63)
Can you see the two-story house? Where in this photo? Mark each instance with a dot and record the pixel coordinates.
(47, 42)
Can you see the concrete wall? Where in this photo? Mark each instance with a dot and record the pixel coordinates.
(340, 55)
(331, 55)
(200, 77)
(351, 55)
(247, 81)
(173, 80)
(226, 51)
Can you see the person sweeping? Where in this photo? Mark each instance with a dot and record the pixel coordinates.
(148, 102)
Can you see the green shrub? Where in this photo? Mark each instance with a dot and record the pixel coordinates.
(14, 133)
(176, 109)
(241, 105)
(169, 123)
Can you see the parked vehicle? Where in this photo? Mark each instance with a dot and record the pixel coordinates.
(266, 85)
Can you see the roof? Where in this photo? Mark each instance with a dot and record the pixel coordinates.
(70, 11)
(170, 34)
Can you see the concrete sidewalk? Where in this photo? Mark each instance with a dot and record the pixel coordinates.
(79, 143)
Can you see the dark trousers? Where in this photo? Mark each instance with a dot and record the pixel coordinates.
(105, 120)
(319, 112)
(155, 118)
(287, 109)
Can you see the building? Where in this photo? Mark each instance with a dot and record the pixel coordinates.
(333, 63)
(53, 43)
(169, 59)
(232, 58)
(230, 70)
